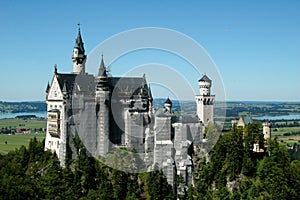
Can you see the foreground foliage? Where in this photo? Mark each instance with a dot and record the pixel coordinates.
(32, 173)
(232, 171)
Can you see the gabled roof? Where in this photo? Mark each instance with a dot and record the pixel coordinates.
(205, 78)
(127, 86)
(248, 120)
(241, 122)
(244, 120)
(67, 80)
(130, 85)
(79, 82)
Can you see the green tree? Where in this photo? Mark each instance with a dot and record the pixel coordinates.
(51, 182)
(156, 186)
(273, 171)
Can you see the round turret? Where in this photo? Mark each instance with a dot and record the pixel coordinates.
(267, 130)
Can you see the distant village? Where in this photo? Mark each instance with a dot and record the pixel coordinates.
(19, 126)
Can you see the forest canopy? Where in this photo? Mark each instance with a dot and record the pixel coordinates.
(231, 171)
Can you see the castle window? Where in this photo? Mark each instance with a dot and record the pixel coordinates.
(54, 123)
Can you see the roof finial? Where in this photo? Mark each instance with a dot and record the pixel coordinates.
(78, 26)
(55, 69)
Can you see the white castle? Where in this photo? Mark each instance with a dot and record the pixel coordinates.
(108, 112)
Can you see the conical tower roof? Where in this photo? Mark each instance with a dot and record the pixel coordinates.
(102, 69)
(205, 78)
(79, 43)
(168, 101)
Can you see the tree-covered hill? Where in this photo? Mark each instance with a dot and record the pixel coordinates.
(32, 173)
(234, 171)
(15, 107)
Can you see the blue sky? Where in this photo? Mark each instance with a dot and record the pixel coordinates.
(254, 44)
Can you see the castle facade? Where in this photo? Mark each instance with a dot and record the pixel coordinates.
(107, 112)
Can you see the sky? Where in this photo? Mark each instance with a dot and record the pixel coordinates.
(255, 45)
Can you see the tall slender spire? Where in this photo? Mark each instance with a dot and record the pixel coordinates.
(79, 43)
(79, 57)
(102, 69)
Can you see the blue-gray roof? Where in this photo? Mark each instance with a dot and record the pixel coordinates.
(205, 78)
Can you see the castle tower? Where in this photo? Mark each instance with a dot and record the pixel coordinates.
(78, 57)
(163, 144)
(267, 130)
(205, 101)
(102, 110)
(168, 106)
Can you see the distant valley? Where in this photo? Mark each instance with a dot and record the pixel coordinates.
(233, 108)
(17, 107)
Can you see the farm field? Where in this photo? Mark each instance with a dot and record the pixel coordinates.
(32, 123)
(11, 142)
(285, 134)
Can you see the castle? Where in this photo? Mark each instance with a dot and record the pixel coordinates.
(107, 112)
(246, 120)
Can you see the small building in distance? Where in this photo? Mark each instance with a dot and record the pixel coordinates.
(242, 122)
(247, 120)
